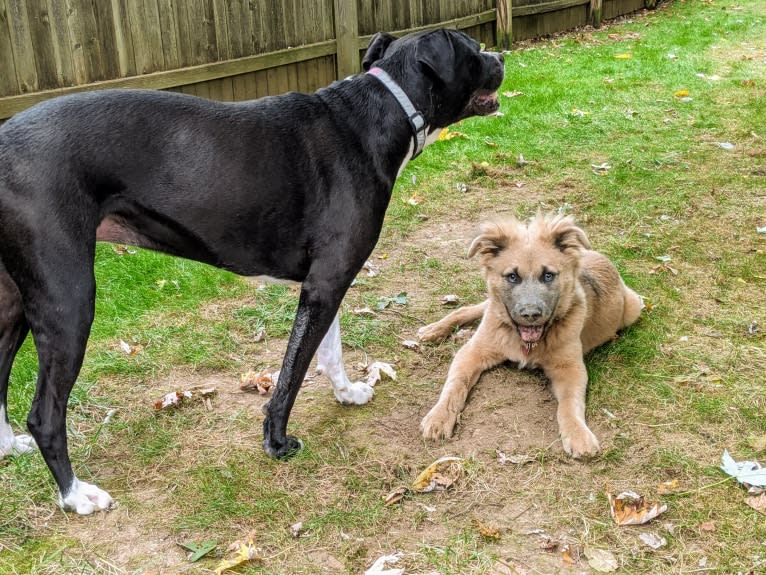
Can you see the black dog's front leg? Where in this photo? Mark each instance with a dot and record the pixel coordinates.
(316, 311)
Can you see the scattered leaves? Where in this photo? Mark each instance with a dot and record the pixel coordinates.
(377, 369)
(601, 560)
(757, 502)
(440, 475)
(129, 349)
(244, 552)
(623, 56)
(512, 94)
(410, 344)
(601, 169)
(400, 299)
(176, 397)
(672, 486)
(502, 458)
(486, 531)
(379, 566)
(681, 94)
(447, 134)
(198, 550)
(372, 269)
(653, 540)
(708, 526)
(629, 508)
(450, 299)
(396, 495)
(258, 381)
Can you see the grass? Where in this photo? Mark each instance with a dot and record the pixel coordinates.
(665, 399)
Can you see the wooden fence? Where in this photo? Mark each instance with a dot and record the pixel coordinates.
(235, 49)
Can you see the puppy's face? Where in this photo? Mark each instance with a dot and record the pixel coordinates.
(445, 70)
(532, 270)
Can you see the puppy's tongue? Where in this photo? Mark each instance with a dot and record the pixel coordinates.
(530, 333)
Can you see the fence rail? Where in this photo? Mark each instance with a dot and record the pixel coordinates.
(236, 49)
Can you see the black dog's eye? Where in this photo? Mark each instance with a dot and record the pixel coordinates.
(513, 278)
(548, 277)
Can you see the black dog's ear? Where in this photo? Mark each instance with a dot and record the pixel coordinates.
(376, 49)
(436, 54)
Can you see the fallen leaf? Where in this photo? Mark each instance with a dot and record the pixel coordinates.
(579, 113)
(366, 311)
(629, 508)
(725, 145)
(486, 531)
(601, 560)
(708, 526)
(372, 269)
(450, 299)
(666, 487)
(410, 344)
(653, 540)
(197, 551)
(512, 94)
(415, 200)
(377, 369)
(258, 381)
(623, 56)
(440, 475)
(128, 349)
(447, 134)
(681, 93)
(566, 555)
(379, 566)
(757, 502)
(601, 169)
(176, 397)
(122, 249)
(746, 472)
(502, 458)
(244, 552)
(396, 495)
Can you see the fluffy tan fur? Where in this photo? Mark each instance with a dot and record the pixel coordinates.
(591, 303)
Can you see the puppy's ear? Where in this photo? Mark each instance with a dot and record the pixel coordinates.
(436, 54)
(567, 236)
(490, 241)
(376, 49)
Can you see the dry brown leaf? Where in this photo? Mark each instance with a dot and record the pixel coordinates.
(176, 397)
(376, 371)
(629, 508)
(601, 560)
(244, 552)
(708, 526)
(440, 475)
(672, 486)
(486, 531)
(396, 495)
(757, 502)
(258, 381)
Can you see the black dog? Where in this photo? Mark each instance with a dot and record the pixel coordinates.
(293, 187)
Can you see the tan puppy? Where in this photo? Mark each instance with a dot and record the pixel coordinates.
(551, 300)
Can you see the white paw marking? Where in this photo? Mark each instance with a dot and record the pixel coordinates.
(11, 444)
(84, 498)
(357, 393)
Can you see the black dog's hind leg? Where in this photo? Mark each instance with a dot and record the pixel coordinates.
(58, 290)
(319, 302)
(13, 331)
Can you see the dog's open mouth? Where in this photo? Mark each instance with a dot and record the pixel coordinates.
(485, 103)
(530, 333)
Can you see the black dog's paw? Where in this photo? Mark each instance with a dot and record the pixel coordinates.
(283, 451)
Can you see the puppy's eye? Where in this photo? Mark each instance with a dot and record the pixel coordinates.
(513, 278)
(548, 277)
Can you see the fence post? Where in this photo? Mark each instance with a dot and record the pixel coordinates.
(595, 13)
(504, 24)
(346, 38)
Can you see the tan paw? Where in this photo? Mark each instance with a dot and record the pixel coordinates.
(433, 332)
(438, 423)
(580, 442)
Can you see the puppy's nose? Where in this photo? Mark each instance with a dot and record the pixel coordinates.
(531, 313)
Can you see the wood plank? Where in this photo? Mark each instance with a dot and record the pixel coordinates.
(21, 46)
(144, 25)
(123, 40)
(169, 34)
(553, 6)
(221, 31)
(504, 25)
(8, 82)
(42, 44)
(347, 37)
(170, 78)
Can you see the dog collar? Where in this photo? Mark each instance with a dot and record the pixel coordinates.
(416, 119)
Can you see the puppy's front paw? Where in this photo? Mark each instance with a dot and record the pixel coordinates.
(357, 393)
(439, 423)
(84, 498)
(433, 332)
(580, 442)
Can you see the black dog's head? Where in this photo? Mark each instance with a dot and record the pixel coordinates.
(444, 72)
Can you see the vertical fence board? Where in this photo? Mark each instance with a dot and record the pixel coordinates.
(123, 40)
(42, 44)
(347, 37)
(146, 35)
(169, 34)
(8, 83)
(221, 30)
(21, 46)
